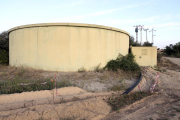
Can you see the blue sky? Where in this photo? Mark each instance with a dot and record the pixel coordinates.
(163, 15)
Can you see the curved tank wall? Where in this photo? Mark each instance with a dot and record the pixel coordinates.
(65, 46)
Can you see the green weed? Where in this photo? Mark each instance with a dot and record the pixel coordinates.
(98, 69)
(150, 118)
(157, 68)
(64, 83)
(82, 70)
(119, 86)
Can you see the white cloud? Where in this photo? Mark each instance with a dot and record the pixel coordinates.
(100, 12)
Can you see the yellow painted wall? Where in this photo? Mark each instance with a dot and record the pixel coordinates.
(145, 56)
(65, 46)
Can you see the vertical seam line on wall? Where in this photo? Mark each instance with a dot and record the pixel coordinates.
(37, 47)
(69, 46)
(79, 40)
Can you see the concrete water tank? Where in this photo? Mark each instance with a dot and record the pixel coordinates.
(65, 46)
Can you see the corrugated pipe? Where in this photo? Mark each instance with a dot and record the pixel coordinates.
(130, 89)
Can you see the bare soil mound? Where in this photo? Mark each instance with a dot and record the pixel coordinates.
(91, 109)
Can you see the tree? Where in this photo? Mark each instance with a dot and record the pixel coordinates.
(147, 44)
(4, 41)
(4, 48)
(132, 42)
(173, 50)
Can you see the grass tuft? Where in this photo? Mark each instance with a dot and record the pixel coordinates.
(119, 86)
(81, 70)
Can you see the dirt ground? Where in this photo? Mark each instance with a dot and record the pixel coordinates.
(80, 104)
(163, 105)
(90, 81)
(174, 60)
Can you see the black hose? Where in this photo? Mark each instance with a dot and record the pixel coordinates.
(130, 89)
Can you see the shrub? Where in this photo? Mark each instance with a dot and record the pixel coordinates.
(4, 41)
(173, 50)
(4, 56)
(82, 70)
(4, 48)
(159, 57)
(132, 42)
(126, 63)
(148, 44)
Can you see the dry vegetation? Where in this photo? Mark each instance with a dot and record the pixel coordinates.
(167, 63)
(92, 81)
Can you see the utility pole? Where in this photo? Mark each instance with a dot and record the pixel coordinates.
(146, 34)
(136, 30)
(140, 28)
(152, 34)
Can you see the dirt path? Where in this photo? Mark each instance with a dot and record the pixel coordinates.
(174, 60)
(164, 105)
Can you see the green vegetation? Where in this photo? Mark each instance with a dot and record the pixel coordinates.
(4, 48)
(132, 42)
(150, 118)
(126, 63)
(157, 68)
(147, 44)
(159, 57)
(82, 70)
(16, 86)
(98, 69)
(119, 86)
(4, 56)
(120, 101)
(173, 50)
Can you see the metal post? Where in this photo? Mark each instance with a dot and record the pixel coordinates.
(140, 28)
(146, 34)
(136, 37)
(136, 30)
(152, 34)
